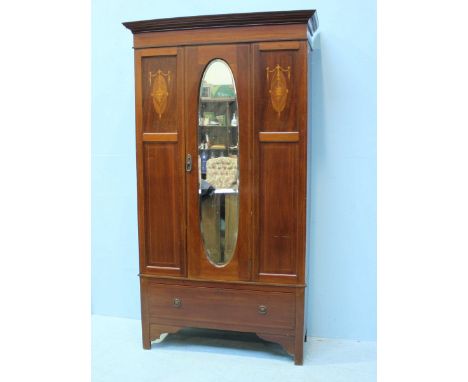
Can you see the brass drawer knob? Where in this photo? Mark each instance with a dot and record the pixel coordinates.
(177, 302)
(262, 309)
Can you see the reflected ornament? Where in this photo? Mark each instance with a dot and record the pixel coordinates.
(278, 87)
(159, 90)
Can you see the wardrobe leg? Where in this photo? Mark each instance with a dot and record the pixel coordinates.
(146, 343)
(298, 351)
(145, 333)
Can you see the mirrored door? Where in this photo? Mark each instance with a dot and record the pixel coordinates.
(218, 138)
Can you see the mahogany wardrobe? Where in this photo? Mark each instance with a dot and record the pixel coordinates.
(221, 146)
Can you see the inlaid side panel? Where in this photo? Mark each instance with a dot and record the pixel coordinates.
(280, 160)
(159, 80)
(160, 160)
(278, 205)
(279, 83)
(163, 211)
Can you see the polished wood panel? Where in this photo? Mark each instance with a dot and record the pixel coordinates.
(288, 45)
(155, 52)
(163, 212)
(280, 162)
(238, 59)
(290, 61)
(278, 136)
(272, 311)
(160, 159)
(159, 137)
(279, 203)
(221, 36)
(152, 121)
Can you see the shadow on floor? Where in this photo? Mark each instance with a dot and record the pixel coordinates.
(211, 340)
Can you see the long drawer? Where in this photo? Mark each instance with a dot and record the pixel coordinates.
(221, 307)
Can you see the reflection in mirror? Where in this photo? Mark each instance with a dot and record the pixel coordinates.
(218, 159)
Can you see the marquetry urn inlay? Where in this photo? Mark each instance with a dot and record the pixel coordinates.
(278, 86)
(160, 90)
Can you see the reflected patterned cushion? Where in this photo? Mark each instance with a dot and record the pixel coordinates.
(222, 172)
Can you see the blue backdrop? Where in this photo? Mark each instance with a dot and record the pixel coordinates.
(342, 168)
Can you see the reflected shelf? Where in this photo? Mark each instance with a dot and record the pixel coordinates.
(216, 125)
(223, 191)
(207, 99)
(218, 148)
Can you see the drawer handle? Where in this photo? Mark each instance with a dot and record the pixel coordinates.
(177, 302)
(262, 309)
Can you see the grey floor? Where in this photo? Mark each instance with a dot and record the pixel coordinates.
(205, 355)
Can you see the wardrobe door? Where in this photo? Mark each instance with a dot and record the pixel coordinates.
(160, 160)
(218, 138)
(280, 157)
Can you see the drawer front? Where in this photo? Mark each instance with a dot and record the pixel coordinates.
(221, 307)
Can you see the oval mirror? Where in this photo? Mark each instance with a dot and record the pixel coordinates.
(218, 159)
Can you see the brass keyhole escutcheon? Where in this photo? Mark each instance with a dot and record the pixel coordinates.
(188, 163)
(177, 302)
(262, 309)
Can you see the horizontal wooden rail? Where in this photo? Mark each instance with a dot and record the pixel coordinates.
(151, 52)
(287, 45)
(279, 136)
(159, 137)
